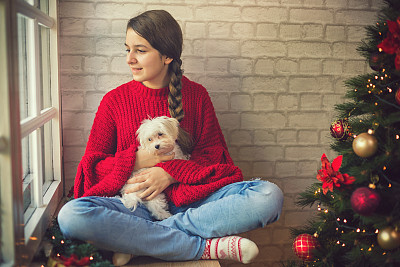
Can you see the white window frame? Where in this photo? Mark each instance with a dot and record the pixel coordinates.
(20, 239)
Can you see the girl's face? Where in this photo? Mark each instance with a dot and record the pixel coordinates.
(146, 63)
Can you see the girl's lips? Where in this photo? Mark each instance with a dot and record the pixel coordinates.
(136, 69)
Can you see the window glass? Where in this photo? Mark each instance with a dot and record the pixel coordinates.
(44, 6)
(47, 154)
(23, 54)
(44, 41)
(27, 178)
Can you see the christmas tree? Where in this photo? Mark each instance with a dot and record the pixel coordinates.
(357, 194)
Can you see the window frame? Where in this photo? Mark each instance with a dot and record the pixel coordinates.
(20, 241)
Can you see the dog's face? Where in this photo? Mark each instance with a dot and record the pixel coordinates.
(158, 134)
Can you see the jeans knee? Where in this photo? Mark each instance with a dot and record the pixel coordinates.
(69, 219)
(269, 201)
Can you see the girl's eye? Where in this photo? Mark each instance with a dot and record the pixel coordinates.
(141, 51)
(149, 139)
(160, 134)
(127, 50)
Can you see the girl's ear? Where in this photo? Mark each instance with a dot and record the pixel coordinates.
(168, 60)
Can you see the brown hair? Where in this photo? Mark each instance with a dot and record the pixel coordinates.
(163, 32)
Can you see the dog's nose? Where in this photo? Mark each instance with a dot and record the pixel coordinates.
(157, 146)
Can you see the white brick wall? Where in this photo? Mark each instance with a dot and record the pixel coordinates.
(274, 70)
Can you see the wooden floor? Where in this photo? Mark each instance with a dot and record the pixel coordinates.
(151, 262)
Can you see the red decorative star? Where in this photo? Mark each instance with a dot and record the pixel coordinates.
(330, 176)
(391, 44)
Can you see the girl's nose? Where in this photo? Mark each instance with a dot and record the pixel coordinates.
(130, 59)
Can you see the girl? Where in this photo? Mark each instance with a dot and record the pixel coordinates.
(208, 198)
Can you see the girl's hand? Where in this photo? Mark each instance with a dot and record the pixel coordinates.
(146, 160)
(154, 180)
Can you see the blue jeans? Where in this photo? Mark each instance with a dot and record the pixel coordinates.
(233, 209)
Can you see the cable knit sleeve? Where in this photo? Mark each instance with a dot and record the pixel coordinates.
(103, 171)
(210, 166)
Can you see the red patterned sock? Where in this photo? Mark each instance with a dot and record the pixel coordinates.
(230, 248)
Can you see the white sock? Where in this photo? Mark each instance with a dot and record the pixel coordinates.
(231, 248)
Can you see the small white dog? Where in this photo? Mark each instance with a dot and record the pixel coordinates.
(157, 134)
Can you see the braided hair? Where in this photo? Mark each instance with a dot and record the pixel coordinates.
(163, 32)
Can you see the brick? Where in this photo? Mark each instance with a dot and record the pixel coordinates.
(332, 66)
(195, 30)
(72, 100)
(308, 137)
(71, 119)
(264, 84)
(240, 66)
(241, 137)
(73, 137)
(108, 82)
(303, 152)
(241, 102)
(355, 67)
(264, 169)
(310, 84)
(220, 101)
(310, 66)
(219, 29)
(330, 100)
(307, 168)
(309, 49)
(358, 4)
(96, 64)
(73, 152)
(264, 102)
(355, 17)
(81, 82)
(313, 31)
(267, 30)
(194, 65)
(71, 26)
(298, 185)
(288, 66)
(311, 15)
(285, 169)
(335, 33)
(262, 120)
(229, 120)
(70, 63)
(119, 65)
(264, 137)
(281, 236)
(311, 102)
(242, 30)
(355, 33)
(110, 46)
(118, 10)
(218, 48)
(290, 31)
(76, 45)
(264, 66)
(179, 12)
(286, 136)
(96, 26)
(265, 14)
(336, 3)
(316, 120)
(287, 102)
(257, 153)
(76, 9)
(345, 50)
(217, 13)
(262, 48)
(220, 84)
(217, 65)
(93, 100)
(118, 27)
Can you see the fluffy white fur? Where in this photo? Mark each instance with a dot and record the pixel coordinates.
(155, 135)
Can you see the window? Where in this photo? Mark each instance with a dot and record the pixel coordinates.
(30, 135)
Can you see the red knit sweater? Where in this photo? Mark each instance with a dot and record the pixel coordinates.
(110, 153)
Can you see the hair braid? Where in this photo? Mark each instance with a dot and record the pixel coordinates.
(175, 90)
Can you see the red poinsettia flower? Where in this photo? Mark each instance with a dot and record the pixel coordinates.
(391, 44)
(330, 176)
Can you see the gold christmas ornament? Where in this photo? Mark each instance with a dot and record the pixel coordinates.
(389, 238)
(365, 145)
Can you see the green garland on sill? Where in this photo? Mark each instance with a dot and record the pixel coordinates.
(73, 252)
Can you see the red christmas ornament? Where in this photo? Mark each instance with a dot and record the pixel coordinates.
(340, 129)
(364, 201)
(303, 245)
(397, 96)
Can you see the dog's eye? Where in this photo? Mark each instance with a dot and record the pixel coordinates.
(160, 134)
(149, 139)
